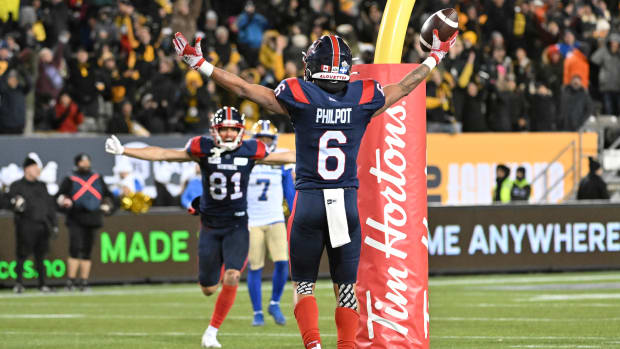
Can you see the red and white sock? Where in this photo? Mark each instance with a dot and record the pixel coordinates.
(347, 320)
(307, 315)
(225, 301)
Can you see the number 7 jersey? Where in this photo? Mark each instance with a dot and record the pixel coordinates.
(328, 129)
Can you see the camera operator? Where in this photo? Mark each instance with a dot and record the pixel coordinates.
(85, 198)
(35, 220)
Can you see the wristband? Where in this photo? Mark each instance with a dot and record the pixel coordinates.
(430, 62)
(206, 68)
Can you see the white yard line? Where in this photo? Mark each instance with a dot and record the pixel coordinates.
(537, 338)
(159, 334)
(42, 316)
(521, 319)
(554, 346)
(134, 290)
(526, 305)
(567, 297)
(131, 317)
(489, 280)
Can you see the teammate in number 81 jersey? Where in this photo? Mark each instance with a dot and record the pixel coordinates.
(329, 129)
(226, 162)
(225, 178)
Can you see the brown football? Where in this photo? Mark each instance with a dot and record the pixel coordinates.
(446, 22)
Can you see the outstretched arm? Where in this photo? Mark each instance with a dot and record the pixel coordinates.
(258, 94)
(394, 92)
(287, 157)
(114, 146)
(157, 154)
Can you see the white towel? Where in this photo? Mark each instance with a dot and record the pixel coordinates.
(336, 217)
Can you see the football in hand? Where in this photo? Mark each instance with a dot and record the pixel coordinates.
(446, 22)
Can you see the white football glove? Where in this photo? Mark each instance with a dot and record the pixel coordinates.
(114, 146)
(19, 203)
(439, 49)
(191, 55)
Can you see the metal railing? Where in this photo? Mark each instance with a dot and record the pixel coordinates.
(543, 175)
(596, 124)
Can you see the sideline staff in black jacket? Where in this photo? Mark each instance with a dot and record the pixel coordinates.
(592, 186)
(35, 220)
(85, 198)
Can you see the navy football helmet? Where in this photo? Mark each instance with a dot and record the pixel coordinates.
(328, 58)
(227, 117)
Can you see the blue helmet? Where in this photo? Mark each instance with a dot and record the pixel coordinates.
(328, 58)
(227, 117)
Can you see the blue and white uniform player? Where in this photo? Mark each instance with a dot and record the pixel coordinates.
(269, 185)
(225, 161)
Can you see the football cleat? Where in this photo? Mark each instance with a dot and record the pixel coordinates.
(209, 341)
(259, 320)
(274, 310)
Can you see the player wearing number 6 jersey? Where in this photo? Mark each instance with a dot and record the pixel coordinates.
(330, 115)
(225, 162)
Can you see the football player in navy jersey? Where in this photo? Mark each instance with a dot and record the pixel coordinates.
(225, 162)
(330, 115)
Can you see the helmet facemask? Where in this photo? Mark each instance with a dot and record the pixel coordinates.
(227, 117)
(221, 143)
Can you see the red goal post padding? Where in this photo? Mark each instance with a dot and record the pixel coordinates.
(393, 273)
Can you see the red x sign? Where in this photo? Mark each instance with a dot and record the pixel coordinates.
(86, 186)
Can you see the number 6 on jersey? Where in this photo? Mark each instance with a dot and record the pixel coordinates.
(326, 152)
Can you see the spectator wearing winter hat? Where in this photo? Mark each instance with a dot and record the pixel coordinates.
(223, 53)
(592, 186)
(251, 27)
(13, 102)
(82, 77)
(503, 184)
(576, 63)
(607, 57)
(542, 108)
(575, 105)
(50, 80)
(185, 15)
(271, 53)
(67, 116)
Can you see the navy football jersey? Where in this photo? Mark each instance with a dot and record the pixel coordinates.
(225, 177)
(328, 129)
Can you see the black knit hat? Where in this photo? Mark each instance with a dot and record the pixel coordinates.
(80, 157)
(28, 161)
(593, 164)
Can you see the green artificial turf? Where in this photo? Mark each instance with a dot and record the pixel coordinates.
(566, 310)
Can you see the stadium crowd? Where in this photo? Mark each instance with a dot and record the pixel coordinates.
(109, 66)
